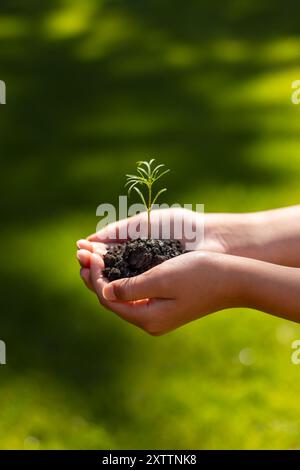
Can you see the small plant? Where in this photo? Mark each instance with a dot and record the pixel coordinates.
(147, 175)
(137, 255)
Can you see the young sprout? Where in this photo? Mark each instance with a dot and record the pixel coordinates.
(147, 175)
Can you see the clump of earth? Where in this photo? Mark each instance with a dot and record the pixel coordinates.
(134, 257)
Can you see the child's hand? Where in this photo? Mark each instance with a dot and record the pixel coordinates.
(85, 250)
(171, 217)
(200, 282)
(237, 234)
(167, 296)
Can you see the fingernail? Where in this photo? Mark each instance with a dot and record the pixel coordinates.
(81, 272)
(79, 256)
(109, 292)
(78, 243)
(98, 250)
(84, 273)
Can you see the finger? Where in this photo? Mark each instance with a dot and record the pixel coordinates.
(83, 257)
(115, 232)
(84, 245)
(148, 285)
(99, 248)
(92, 247)
(121, 230)
(85, 276)
(139, 312)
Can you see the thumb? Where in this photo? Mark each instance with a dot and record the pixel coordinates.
(144, 286)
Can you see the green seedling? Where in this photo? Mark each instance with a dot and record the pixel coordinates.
(147, 175)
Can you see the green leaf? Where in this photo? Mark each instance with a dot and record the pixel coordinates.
(156, 169)
(131, 181)
(162, 174)
(142, 172)
(157, 196)
(132, 176)
(141, 195)
(131, 188)
(145, 176)
(147, 165)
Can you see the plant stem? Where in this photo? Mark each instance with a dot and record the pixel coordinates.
(149, 211)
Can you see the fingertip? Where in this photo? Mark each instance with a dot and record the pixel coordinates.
(109, 292)
(84, 274)
(84, 244)
(83, 257)
(99, 248)
(95, 259)
(80, 242)
(93, 238)
(97, 264)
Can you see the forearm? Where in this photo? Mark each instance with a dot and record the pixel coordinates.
(264, 286)
(272, 236)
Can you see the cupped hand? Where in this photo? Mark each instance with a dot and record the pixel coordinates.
(167, 296)
(222, 233)
(217, 235)
(176, 291)
(176, 223)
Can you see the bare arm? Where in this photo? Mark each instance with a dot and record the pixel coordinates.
(196, 284)
(246, 260)
(272, 236)
(267, 287)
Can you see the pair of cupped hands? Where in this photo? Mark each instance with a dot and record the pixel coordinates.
(169, 295)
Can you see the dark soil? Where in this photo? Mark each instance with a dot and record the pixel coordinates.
(137, 256)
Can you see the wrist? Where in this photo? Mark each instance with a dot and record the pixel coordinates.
(248, 283)
(236, 234)
(237, 282)
(230, 276)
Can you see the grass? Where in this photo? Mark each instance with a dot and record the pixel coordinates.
(92, 87)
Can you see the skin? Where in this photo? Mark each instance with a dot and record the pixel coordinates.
(246, 260)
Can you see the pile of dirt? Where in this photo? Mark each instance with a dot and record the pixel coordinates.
(137, 256)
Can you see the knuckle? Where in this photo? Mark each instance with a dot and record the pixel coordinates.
(145, 277)
(151, 328)
(160, 279)
(179, 210)
(123, 288)
(119, 289)
(155, 333)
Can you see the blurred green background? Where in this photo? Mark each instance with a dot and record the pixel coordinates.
(92, 86)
